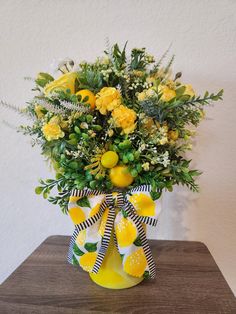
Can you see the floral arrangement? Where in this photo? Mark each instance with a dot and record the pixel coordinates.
(114, 125)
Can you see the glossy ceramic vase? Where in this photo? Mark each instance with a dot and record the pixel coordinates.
(111, 274)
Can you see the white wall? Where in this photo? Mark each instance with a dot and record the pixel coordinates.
(32, 33)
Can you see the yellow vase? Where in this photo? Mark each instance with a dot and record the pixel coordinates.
(111, 274)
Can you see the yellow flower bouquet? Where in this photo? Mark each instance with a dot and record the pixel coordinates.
(116, 132)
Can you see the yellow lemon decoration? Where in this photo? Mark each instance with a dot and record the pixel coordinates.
(91, 97)
(120, 176)
(143, 203)
(88, 260)
(64, 82)
(103, 222)
(77, 215)
(109, 159)
(126, 232)
(136, 263)
(81, 237)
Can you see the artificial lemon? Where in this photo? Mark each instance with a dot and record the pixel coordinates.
(143, 204)
(109, 159)
(135, 263)
(63, 83)
(77, 215)
(91, 97)
(120, 176)
(126, 232)
(88, 260)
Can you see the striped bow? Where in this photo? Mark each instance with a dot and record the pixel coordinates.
(115, 206)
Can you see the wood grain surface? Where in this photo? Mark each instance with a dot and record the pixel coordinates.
(188, 281)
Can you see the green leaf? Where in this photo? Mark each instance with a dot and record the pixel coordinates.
(138, 242)
(180, 91)
(83, 202)
(130, 156)
(122, 256)
(155, 195)
(45, 194)
(43, 79)
(146, 274)
(77, 251)
(74, 165)
(125, 215)
(38, 190)
(75, 261)
(90, 247)
(77, 130)
(93, 184)
(134, 173)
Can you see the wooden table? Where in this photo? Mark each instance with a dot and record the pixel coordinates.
(188, 281)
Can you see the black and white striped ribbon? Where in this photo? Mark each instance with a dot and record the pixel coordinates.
(107, 233)
(129, 209)
(122, 202)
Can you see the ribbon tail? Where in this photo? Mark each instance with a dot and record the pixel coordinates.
(106, 238)
(148, 220)
(147, 251)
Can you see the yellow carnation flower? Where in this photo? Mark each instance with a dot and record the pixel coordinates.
(167, 93)
(107, 99)
(52, 130)
(64, 82)
(124, 118)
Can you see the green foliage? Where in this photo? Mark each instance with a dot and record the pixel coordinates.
(90, 78)
(84, 202)
(90, 247)
(181, 110)
(165, 111)
(74, 261)
(119, 56)
(138, 241)
(77, 251)
(43, 79)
